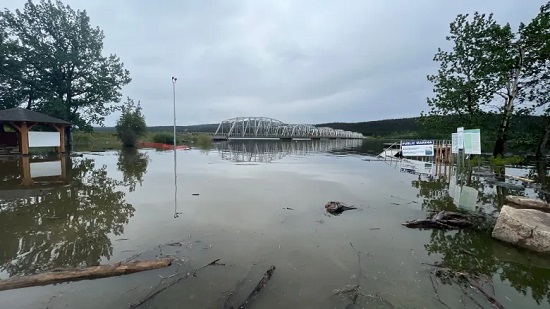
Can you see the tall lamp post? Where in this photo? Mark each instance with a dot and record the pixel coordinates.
(174, 79)
(175, 170)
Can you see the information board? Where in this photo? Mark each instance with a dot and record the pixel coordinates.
(417, 148)
(472, 141)
(454, 143)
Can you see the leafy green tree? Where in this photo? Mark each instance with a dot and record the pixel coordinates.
(537, 37)
(489, 70)
(52, 62)
(131, 124)
(460, 85)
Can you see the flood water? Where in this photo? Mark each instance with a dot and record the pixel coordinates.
(253, 205)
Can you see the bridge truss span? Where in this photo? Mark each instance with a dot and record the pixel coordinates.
(269, 128)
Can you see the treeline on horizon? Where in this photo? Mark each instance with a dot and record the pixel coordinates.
(407, 128)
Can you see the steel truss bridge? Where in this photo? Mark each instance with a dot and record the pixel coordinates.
(268, 151)
(269, 128)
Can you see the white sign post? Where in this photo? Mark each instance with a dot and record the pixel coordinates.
(460, 137)
(454, 143)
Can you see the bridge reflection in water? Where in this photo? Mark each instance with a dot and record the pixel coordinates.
(268, 151)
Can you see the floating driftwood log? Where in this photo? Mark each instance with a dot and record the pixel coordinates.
(528, 203)
(93, 272)
(337, 208)
(442, 220)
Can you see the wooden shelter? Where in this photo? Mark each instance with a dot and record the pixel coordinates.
(22, 121)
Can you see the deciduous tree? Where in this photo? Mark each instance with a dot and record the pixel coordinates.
(53, 62)
(131, 124)
(537, 38)
(490, 69)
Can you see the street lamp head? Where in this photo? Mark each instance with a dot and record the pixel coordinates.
(174, 79)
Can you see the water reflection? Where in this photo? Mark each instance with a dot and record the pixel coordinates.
(55, 217)
(540, 174)
(133, 165)
(474, 251)
(268, 151)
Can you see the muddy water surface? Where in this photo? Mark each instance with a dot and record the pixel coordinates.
(251, 206)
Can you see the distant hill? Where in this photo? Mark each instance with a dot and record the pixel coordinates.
(196, 128)
(377, 128)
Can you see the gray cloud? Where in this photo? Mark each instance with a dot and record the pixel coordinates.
(297, 61)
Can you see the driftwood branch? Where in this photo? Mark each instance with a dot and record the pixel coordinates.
(490, 298)
(187, 275)
(524, 202)
(86, 273)
(252, 296)
(263, 282)
(442, 220)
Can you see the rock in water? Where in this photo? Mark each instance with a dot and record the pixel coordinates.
(526, 228)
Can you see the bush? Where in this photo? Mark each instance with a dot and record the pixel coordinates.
(131, 124)
(165, 138)
(204, 141)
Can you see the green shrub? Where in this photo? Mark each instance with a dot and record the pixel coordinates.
(165, 138)
(82, 138)
(131, 124)
(204, 141)
(500, 161)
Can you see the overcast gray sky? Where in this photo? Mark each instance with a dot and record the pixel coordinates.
(305, 61)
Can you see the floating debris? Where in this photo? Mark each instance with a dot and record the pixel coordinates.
(442, 220)
(337, 208)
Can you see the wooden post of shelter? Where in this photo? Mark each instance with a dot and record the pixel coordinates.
(24, 138)
(61, 130)
(25, 171)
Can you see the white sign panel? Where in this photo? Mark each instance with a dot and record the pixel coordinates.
(468, 198)
(417, 148)
(44, 139)
(472, 141)
(44, 169)
(454, 143)
(460, 140)
(417, 167)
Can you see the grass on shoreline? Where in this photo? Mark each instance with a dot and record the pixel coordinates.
(104, 140)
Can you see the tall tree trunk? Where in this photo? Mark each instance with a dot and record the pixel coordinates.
(502, 137)
(512, 90)
(541, 148)
(29, 103)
